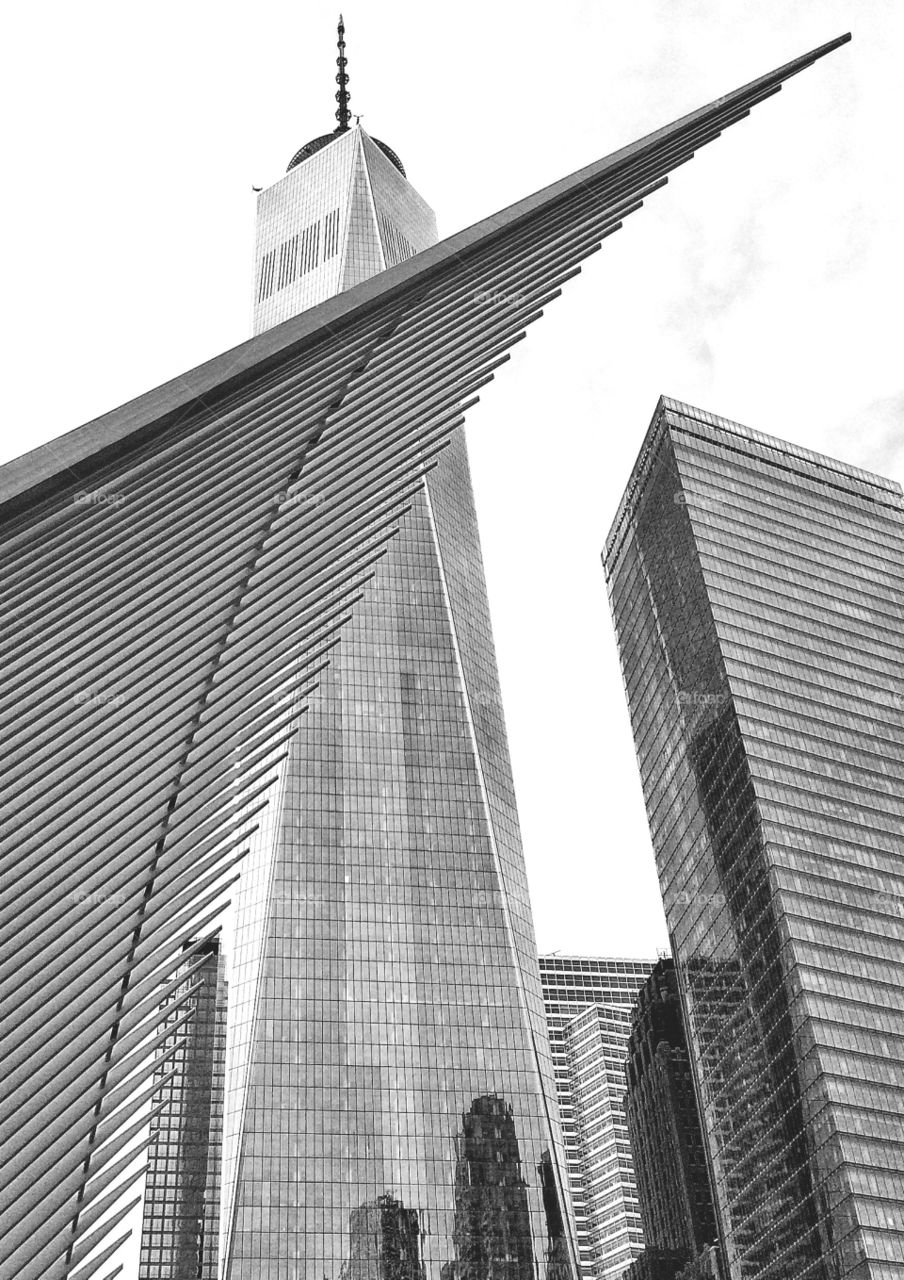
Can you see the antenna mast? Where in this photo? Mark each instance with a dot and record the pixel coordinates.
(343, 115)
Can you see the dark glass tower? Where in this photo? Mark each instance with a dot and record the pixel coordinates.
(182, 1189)
(758, 596)
(664, 1124)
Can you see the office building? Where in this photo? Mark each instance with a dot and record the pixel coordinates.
(758, 598)
(588, 1054)
(596, 1045)
(669, 1264)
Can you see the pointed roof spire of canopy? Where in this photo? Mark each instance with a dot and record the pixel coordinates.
(342, 94)
(343, 114)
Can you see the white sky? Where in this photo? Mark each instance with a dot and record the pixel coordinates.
(763, 283)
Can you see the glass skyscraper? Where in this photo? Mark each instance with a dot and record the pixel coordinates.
(341, 214)
(386, 975)
(343, 211)
(390, 1105)
(758, 597)
(588, 1001)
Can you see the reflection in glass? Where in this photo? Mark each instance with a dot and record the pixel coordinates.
(384, 1242)
(181, 1199)
(492, 1233)
(558, 1262)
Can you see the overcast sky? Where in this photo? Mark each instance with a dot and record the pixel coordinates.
(763, 283)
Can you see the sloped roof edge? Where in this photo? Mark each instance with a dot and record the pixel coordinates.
(36, 470)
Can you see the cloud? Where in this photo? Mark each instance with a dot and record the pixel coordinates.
(719, 274)
(874, 435)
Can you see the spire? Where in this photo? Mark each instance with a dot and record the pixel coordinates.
(343, 115)
(342, 95)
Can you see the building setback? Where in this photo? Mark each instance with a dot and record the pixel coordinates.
(758, 596)
(596, 1044)
(584, 1060)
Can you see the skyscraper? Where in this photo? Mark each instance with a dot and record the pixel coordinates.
(758, 601)
(664, 1124)
(588, 1054)
(343, 211)
(596, 1046)
(178, 575)
(388, 979)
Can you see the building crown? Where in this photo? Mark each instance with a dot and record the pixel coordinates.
(343, 115)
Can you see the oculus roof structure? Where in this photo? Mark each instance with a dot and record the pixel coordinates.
(172, 599)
